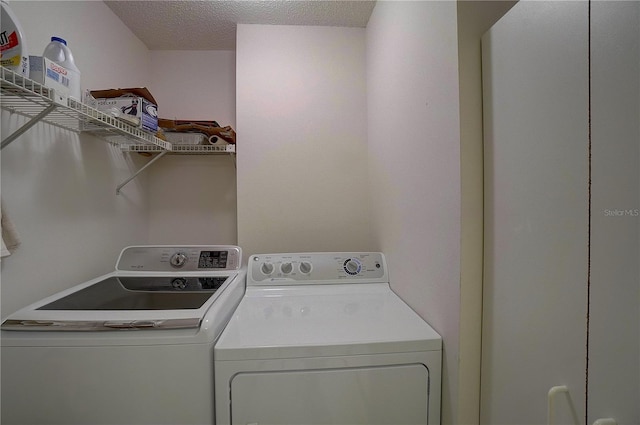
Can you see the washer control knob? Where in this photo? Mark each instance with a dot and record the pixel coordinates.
(266, 268)
(305, 267)
(286, 268)
(352, 266)
(179, 283)
(178, 259)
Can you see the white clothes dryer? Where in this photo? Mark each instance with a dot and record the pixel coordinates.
(134, 346)
(320, 338)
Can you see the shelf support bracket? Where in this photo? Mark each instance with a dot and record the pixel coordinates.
(121, 185)
(33, 121)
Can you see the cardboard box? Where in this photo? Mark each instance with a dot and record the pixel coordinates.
(53, 75)
(134, 102)
(186, 138)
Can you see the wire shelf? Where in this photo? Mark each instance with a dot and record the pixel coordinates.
(28, 98)
(183, 149)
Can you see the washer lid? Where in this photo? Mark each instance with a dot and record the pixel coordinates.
(320, 320)
(153, 287)
(122, 302)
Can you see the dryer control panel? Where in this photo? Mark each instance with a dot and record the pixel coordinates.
(183, 258)
(317, 268)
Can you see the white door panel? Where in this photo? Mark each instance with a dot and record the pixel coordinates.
(614, 313)
(367, 395)
(535, 72)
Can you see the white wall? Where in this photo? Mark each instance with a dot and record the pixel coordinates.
(474, 19)
(192, 199)
(105, 50)
(414, 164)
(302, 159)
(59, 188)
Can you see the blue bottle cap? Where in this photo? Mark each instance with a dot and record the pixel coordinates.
(61, 40)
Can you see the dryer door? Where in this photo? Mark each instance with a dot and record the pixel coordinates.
(360, 395)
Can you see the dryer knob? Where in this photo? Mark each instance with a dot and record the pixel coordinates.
(286, 268)
(305, 267)
(266, 268)
(178, 259)
(352, 266)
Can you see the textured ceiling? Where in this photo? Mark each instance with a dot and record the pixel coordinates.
(211, 25)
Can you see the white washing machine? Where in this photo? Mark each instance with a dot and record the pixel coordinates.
(134, 346)
(320, 338)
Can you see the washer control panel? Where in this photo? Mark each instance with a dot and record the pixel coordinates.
(317, 268)
(183, 258)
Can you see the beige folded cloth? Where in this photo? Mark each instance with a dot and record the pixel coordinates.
(10, 238)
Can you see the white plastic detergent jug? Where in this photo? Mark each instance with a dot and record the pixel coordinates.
(58, 52)
(13, 49)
